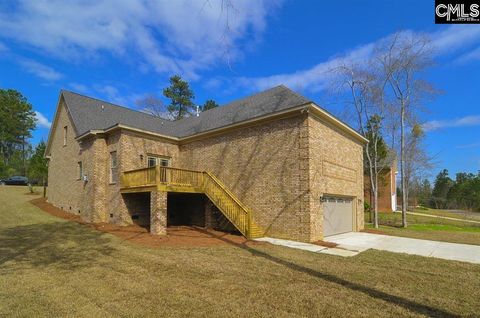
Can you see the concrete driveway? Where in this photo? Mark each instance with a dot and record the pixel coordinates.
(362, 241)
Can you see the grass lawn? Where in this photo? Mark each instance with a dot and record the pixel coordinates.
(467, 215)
(428, 228)
(52, 267)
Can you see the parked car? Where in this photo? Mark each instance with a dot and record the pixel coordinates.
(15, 180)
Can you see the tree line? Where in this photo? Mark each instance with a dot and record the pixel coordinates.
(17, 155)
(462, 192)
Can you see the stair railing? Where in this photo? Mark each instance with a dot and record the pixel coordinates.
(233, 209)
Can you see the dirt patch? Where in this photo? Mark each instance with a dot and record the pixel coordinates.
(178, 236)
(326, 244)
(373, 231)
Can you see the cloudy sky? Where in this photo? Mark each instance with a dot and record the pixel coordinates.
(121, 51)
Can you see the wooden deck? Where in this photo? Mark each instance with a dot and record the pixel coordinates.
(169, 179)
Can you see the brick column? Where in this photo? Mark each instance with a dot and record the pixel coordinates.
(99, 180)
(158, 213)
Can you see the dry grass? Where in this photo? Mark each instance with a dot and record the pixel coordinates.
(437, 233)
(51, 267)
(428, 228)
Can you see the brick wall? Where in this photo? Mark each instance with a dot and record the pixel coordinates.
(132, 151)
(385, 191)
(335, 168)
(260, 164)
(279, 169)
(65, 187)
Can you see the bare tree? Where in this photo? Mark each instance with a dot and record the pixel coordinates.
(403, 57)
(154, 106)
(417, 161)
(365, 89)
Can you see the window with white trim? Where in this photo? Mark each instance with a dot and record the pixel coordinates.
(153, 161)
(113, 167)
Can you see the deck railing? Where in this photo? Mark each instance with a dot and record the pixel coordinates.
(138, 178)
(202, 181)
(152, 176)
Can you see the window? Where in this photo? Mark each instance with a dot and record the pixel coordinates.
(65, 131)
(113, 167)
(153, 161)
(164, 162)
(80, 170)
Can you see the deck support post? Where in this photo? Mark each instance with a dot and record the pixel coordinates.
(158, 213)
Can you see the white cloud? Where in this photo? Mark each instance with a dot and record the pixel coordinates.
(113, 95)
(169, 36)
(3, 48)
(312, 79)
(40, 70)
(42, 121)
(79, 88)
(467, 146)
(458, 122)
(457, 38)
(470, 56)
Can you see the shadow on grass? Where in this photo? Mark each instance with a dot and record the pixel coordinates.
(64, 245)
(396, 300)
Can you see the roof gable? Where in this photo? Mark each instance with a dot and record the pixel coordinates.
(92, 115)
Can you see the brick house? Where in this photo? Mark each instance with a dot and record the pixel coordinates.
(387, 188)
(271, 164)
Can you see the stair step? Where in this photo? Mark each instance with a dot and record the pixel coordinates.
(231, 209)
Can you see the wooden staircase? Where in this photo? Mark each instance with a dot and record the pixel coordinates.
(183, 180)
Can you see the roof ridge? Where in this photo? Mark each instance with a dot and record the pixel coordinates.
(115, 105)
(231, 103)
(274, 99)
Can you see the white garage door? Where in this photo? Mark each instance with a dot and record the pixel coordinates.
(337, 215)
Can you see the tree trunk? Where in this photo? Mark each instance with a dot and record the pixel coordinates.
(375, 200)
(44, 187)
(373, 187)
(374, 205)
(402, 167)
(24, 170)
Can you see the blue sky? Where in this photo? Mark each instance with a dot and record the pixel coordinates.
(121, 51)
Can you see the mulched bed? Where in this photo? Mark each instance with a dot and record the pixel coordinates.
(178, 236)
(374, 231)
(326, 244)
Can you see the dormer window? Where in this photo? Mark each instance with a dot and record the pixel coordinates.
(65, 131)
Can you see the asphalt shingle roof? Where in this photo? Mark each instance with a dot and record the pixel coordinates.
(93, 114)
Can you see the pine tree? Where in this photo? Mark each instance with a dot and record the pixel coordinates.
(443, 184)
(38, 166)
(181, 97)
(209, 104)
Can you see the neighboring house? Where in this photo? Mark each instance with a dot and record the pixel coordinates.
(272, 164)
(387, 188)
